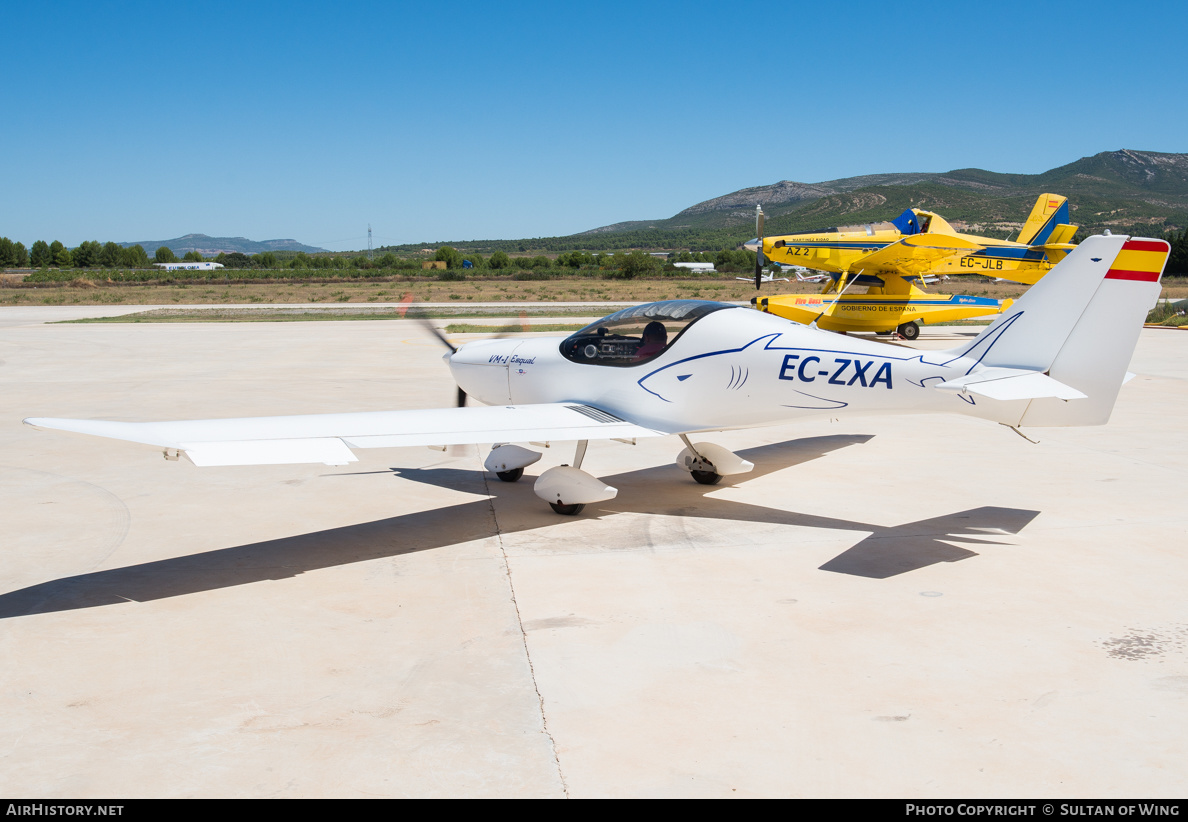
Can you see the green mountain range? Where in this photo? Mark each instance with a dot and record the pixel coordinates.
(1134, 192)
(211, 246)
(1139, 190)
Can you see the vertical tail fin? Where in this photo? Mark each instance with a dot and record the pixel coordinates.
(1079, 325)
(1097, 353)
(1050, 210)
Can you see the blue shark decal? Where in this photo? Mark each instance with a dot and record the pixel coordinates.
(738, 380)
(988, 339)
(653, 377)
(823, 366)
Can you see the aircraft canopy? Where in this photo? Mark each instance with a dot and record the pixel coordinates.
(638, 334)
(907, 222)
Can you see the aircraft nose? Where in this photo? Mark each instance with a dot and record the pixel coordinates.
(483, 352)
(480, 369)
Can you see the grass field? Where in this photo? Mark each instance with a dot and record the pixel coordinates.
(12, 292)
(579, 290)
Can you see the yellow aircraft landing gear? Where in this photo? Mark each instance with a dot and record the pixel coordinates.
(909, 331)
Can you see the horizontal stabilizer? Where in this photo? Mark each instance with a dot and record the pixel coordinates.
(1011, 384)
(1061, 235)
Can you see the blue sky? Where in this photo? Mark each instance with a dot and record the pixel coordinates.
(461, 120)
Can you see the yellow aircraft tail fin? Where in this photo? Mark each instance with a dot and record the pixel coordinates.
(1050, 210)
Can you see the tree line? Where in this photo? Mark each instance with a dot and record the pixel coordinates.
(634, 263)
(1177, 261)
(89, 254)
(93, 254)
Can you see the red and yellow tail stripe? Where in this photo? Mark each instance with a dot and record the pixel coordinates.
(1140, 260)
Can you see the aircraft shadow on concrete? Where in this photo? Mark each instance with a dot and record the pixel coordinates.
(663, 490)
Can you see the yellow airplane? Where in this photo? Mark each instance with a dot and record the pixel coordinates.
(921, 243)
(892, 260)
(877, 310)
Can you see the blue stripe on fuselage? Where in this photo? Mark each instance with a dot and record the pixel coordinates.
(999, 252)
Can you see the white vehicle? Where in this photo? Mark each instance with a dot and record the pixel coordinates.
(1057, 357)
(189, 266)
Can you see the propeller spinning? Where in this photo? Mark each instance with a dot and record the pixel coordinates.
(406, 305)
(437, 332)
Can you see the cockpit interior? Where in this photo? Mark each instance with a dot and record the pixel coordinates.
(636, 335)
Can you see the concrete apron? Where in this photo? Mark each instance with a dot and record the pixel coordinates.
(900, 606)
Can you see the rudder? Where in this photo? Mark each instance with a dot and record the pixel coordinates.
(1049, 211)
(1094, 357)
(1030, 334)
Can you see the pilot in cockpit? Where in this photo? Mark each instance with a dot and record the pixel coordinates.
(655, 337)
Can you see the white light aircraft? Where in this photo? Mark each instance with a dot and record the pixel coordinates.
(769, 277)
(1057, 357)
(819, 277)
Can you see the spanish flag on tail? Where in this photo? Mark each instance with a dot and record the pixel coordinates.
(1050, 211)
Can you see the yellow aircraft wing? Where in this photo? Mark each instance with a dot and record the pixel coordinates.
(915, 253)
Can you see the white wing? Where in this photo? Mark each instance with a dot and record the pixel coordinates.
(329, 438)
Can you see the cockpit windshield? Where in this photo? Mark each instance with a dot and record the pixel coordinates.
(636, 335)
